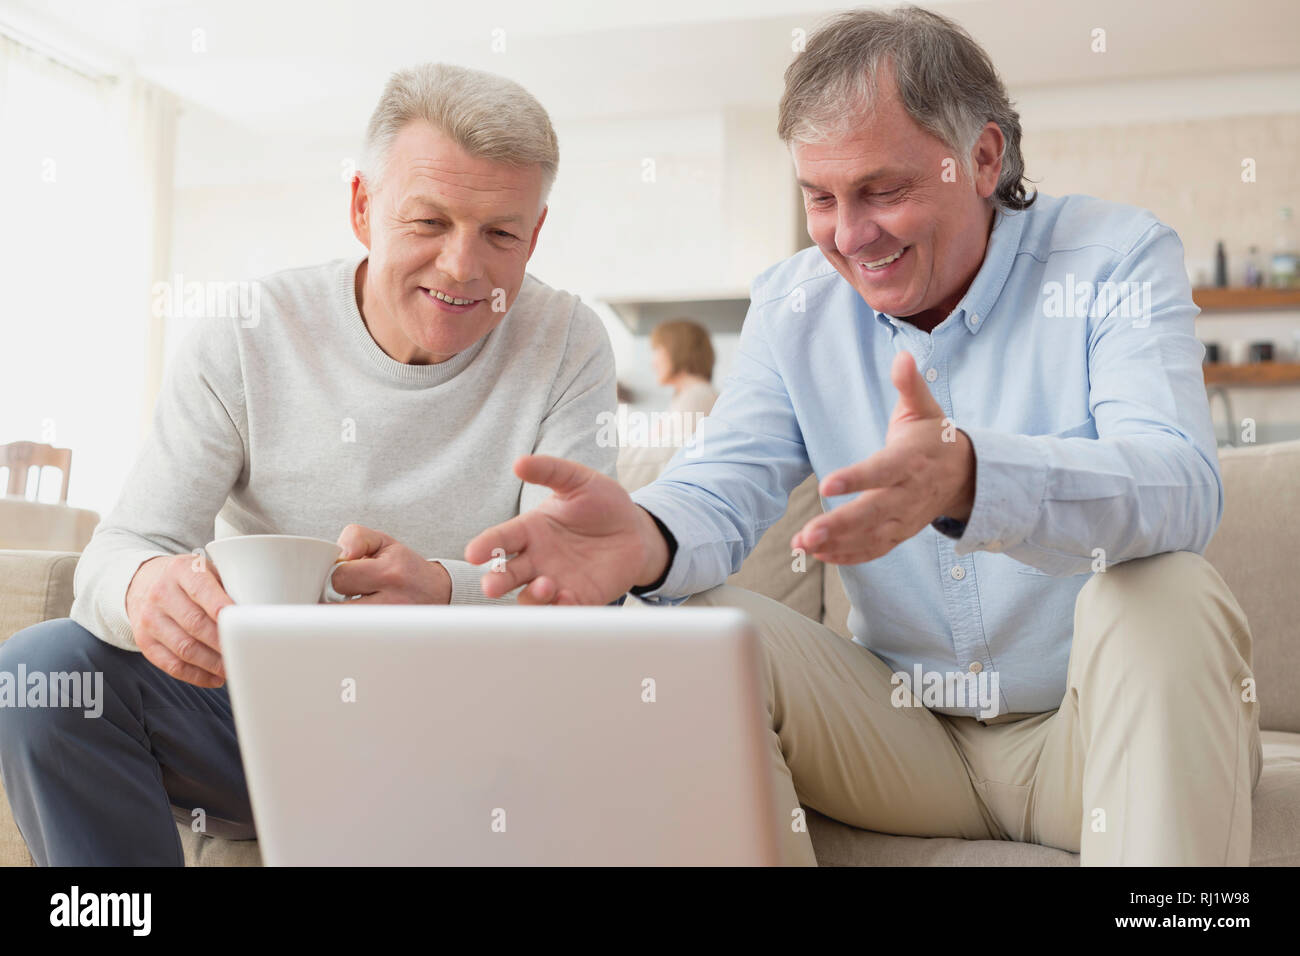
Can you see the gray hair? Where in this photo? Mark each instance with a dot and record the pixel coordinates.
(946, 82)
(484, 114)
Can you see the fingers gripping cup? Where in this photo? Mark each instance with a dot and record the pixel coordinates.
(275, 568)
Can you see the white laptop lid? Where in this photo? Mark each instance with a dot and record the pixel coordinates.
(415, 735)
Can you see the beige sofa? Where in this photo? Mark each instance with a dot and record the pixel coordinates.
(1256, 550)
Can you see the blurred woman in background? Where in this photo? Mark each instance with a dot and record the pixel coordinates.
(682, 358)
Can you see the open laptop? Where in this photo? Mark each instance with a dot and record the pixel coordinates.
(415, 735)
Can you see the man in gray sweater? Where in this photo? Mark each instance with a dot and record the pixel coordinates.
(384, 397)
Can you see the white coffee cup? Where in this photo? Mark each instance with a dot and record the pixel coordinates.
(275, 568)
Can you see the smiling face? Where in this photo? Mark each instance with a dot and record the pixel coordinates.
(449, 236)
(881, 212)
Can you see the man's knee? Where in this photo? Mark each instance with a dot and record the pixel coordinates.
(769, 616)
(784, 635)
(1162, 600)
(725, 595)
(40, 666)
(59, 644)
(1156, 573)
(1145, 587)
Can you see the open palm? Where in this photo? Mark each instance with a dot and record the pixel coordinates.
(585, 544)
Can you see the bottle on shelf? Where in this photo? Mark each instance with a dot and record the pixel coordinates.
(1253, 277)
(1220, 266)
(1284, 271)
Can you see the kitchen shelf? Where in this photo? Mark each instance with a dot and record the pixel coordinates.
(1212, 299)
(1257, 373)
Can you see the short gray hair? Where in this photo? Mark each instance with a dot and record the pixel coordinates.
(484, 114)
(946, 82)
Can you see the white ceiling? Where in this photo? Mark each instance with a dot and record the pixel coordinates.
(304, 67)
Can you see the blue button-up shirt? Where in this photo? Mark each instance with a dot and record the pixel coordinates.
(1072, 365)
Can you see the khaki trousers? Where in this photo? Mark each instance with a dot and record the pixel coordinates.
(1150, 759)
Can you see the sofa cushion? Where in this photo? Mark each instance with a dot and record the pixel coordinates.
(13, 851)
(34, 586)
(201, 850)
(770, 569)
(1275, 835)
(1255, 550)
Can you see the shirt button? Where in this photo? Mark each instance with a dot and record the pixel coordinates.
(976, 667)
(931, 374)
(974, 319)
(957, 572)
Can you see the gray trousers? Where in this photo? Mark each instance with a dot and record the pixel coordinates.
(108, 790)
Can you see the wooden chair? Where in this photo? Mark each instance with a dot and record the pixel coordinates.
(21, 456)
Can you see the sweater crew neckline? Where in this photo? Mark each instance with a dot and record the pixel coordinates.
(401, 372)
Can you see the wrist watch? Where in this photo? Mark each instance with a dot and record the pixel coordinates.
(949, 527)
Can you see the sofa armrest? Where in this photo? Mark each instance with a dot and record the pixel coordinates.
(1256, 551)
(35, 586)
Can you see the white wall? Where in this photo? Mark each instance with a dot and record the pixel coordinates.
(247, 205)
(635, 206)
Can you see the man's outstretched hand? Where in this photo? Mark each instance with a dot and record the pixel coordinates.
(926, 469)
(587, 543)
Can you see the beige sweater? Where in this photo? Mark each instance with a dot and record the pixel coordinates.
(302, 424)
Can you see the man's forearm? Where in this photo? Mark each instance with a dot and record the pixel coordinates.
(1061, 504)
(104, 575)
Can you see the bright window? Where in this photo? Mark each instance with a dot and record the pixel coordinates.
(84, 176)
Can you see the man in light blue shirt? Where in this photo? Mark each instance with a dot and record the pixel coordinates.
(1002, 396)
(811, 392)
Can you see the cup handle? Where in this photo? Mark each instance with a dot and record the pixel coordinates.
(328, 594)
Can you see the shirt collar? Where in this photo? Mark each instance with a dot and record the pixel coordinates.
(1000, 254)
